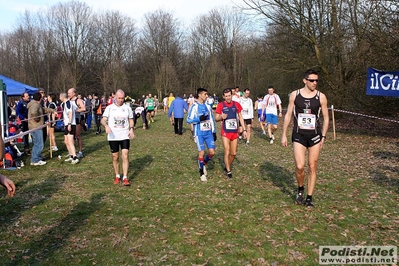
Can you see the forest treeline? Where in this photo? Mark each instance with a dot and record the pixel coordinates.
(254, 44)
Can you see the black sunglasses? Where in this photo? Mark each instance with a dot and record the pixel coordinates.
(312, 80)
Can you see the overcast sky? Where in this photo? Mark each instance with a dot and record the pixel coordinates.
(185, 10)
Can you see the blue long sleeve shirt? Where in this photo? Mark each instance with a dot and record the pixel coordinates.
(177, 107)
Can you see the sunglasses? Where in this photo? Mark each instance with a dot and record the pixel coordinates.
(313, 80)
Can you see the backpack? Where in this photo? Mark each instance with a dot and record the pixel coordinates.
(8, 160)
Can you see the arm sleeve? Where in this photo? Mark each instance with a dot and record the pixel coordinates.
(192, 117)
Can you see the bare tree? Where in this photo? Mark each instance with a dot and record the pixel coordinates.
(160, 45)
(72, 27)
(111, 49)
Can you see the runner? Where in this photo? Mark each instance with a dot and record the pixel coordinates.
(118, 123)
(150, 108)
(229, 112)
(259, 108)
(307, 134)
(247, 113)
(204, 130)
(270, 104)
(68, 109)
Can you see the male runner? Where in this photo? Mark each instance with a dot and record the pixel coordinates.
(229, 112)
(305, 104)
(204, 130)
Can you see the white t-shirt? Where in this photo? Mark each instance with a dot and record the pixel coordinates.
(118, 121)
(247, 107)
(271, 102)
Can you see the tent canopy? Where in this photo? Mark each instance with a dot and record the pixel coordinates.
(15, 88)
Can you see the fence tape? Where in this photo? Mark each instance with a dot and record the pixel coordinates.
(368, 116)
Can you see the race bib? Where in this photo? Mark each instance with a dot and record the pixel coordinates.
(245, 111)
(231, 124)
(119, 122)
(205, 125)
(307, 121)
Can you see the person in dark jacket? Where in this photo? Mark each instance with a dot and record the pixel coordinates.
(22, 113)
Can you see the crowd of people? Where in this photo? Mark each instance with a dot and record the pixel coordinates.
(235, 113)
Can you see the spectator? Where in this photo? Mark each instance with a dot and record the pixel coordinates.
(22, 113)
(36, 121)
(177, 108)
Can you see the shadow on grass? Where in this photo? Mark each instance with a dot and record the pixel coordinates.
(380, 178)
(28, 197)
(385, 154)
(139, 164)
(44, 245)
(280, 177)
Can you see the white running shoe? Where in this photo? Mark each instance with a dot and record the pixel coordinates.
(54, 148)
(203, 178)
(271, 141)
(68, 160)
(75, 161)
(39, 163)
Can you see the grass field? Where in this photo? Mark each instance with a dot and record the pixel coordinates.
(75, 215)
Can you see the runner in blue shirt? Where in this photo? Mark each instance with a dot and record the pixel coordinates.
(204, 129)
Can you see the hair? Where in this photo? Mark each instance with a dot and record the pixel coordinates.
(201, 90)
(23, 94)
(37, 96)
(227, 90)
(310, 72)
(52, 96)
(247, 89)
(270, 87)
(63, 95)
(95, 94)
(260, 96)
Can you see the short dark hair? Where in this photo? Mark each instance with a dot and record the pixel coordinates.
(270, 87)
(310, 72)
(247, 89)
(53, 97)
(201, 90)
(226, 90)
(37, 96)
(95, 94)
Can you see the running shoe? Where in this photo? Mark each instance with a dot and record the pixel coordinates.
(247, 144)
(116, 181)
(271, 141)
(309, 204)
(229, 176)
(75, 161)
(39, 163)
(272, 136)
(299, 198)
(54, 148)
(203, 178)
(68, 160)
(79, 155)
(263, 133)
(126, 182)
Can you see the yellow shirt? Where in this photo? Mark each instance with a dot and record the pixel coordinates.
(170, 100)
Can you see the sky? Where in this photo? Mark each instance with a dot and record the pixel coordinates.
(185, 10)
